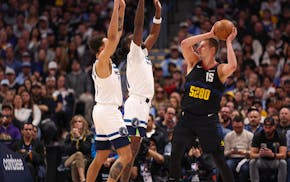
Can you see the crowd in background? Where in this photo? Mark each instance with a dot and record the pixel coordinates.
(47, 95)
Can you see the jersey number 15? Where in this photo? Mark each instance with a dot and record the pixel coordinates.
(209, 77)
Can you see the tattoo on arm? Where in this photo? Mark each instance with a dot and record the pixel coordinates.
(120, 24)
(116, 170)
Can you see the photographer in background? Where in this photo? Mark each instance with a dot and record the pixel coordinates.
(149, 163)
(198, 166)
(268, 152)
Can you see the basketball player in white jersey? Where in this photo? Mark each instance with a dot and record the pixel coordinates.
(109, 125)
(140, 81)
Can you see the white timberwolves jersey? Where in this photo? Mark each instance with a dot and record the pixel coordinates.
(108, 90)
(139, 72)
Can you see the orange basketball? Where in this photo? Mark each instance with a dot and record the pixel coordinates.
(223, 28)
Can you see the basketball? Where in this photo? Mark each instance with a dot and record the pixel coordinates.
(223, 28)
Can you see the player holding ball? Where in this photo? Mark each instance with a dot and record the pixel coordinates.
(204, 87)
(223, 28)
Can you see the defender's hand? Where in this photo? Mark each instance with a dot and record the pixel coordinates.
(158, 7)
(157, 4)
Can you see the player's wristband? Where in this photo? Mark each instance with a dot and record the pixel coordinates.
(157, 21)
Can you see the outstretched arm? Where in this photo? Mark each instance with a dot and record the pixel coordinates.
(103, 67)
(155, 28)
(121, 18)
(225, 70)
(139, 23)
(188, 52)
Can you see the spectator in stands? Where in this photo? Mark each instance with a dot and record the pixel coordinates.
(53, 69)
(156, 132)
(226, 117)
(10, 60)
(24, 73)
(268, 152)
(237, 149)
(8, 132)
(20, 114)
(170, 119)
(11, 77)
(57, 104)
(175, 101)
(4, 88)
(269, 89)
(174, 57)
(43, 25)
(259, 105)
(254, 120)
(231, 105)
(286, 87)
(284, 120)
(32, 17)
(35, 92)
(238, 100)
(9, 96)
(47, 106)
(68, 99)
(77, 146)
(247, 100)
(73, 54)
(34, 40)
(273, 5)
(61, 58)
(26, 85)
(230, 81)
(252, 48)
(31, 150)
(80, 82)
(33, 112)
(160, 98)
(168, 84)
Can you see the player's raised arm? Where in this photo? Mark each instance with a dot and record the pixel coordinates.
(112, 41)
(188, 52)
(226, 70)
(139, 23)
(121, 18)
(155, 28)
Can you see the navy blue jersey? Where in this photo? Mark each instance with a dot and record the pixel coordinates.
(203, 91)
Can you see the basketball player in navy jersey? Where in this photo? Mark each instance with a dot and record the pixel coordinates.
(200, 104)
(140, 80)
(109, 125)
